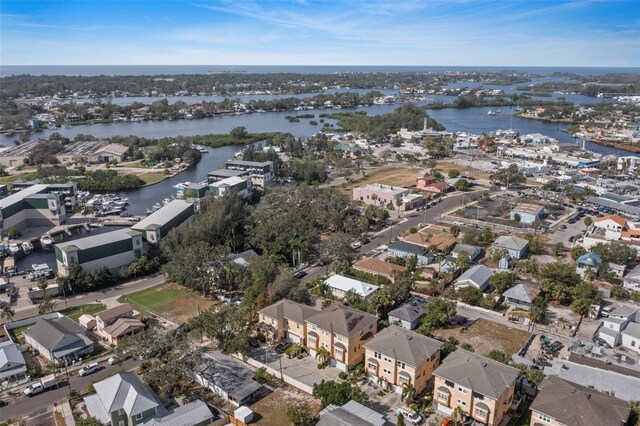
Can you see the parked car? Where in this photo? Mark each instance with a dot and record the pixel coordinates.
(410, 416)
(282, 346)
(457, 222)
(253, 342)
(563, 226)
(89, 369)
(365, 240)
(356, 245)
(114, 360)
(299, 274)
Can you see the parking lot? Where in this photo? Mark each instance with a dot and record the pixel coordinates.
(560, 235)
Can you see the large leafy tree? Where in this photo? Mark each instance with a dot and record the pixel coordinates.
(508, 176)
(615, 252)
(338, 393)
(558, 281)
(437, 316)
(503, 280)
(226, 325)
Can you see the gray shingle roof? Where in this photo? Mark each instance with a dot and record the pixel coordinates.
(350, 414)
(404, 345)
(632, 329)
(481, 374)
(285, 308)
(411, 310)
(522, 292)
(192, 413)
(413, 249)
(342, 320)
(577, 405)
(510, 242)
(58, 334)
(126, 391)
(473, 251)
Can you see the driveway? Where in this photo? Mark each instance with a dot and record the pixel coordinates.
(304, 370)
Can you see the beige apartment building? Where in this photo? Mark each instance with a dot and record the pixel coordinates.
(402, 357)
(483, 388)
(343, 332)
(285, 319)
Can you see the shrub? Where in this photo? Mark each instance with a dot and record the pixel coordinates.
(342, 375)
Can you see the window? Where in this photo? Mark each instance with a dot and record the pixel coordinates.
(461, 402)
(401, 365)
(138, 416)
(403, 379)
(372, 366)
(377, 355)
(386, 371)
(633, 343)
(463, 390)
(480, 413)
(443, 396)
(324, 345)
(338, 338)
(324, 333)
(314, 327)
(544, 418)
(121, 423)
(312, 340)
(338, 351)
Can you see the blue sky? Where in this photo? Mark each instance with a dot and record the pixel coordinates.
(306, 32)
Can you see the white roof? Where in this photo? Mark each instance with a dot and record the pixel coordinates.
(164, 214)
(346, 284)
(380, 187)
(230, 181)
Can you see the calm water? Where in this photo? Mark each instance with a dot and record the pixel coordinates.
(89, 70)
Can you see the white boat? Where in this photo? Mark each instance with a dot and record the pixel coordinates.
(96, 225)
(14, 249)
(46, 241)
(181, 185)
(491, 112)
(27, 247)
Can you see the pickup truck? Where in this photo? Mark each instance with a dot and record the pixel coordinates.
(41, 385)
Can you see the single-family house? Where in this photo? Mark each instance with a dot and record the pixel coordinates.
(229, 379)
(617, 269)
(436, 188)
(631, 336)
(339, 286)
(588, 262)
(477, 276)
(12, 364)
(58, 339)
(443, 242)
(632, 280)
(521, 295)
(481, 387)
(342, 332)
(409, 314)
(117, 322)
(560, 402)
(527, 213)
(124, 399)
(408, 250)
(474, 252)
(513, 246)
(350, 414)
(426, 181)
(378, 267)
(402, 357)
(615, 323)
(285, 319)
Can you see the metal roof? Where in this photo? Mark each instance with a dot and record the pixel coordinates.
(95, 240)
(164, 214)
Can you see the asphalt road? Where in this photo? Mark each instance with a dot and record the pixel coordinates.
(37, 407)
(97, 295)
(412, 219)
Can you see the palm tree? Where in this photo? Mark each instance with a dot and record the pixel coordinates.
(7, 313)
(408, 393)
(322, 354)
(457, 412)
(46, 305)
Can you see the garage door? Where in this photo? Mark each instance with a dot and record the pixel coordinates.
(294, 338)
(444, 409)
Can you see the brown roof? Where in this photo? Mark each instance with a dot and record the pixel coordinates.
(614, 217)
(428, 179)
(115, 312)
(113, 148)
(576, 405)
(123, 326)
(440, 240)
(285, 308)
(379, 267)
(342, 320)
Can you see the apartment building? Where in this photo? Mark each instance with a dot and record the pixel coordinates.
(483, 388)
(285, 319)
(342, 332)
(402, 357)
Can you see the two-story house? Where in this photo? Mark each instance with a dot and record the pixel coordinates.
(588, 262)
(562, 403)
(615, 323)
(285, 319)
(402, 357)
(409, 314)
(342, 332)
(117, 322)
(481, 387)
(125, 400)
(515, 247)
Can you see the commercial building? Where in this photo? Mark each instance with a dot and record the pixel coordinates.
(381, 195)
(58, 339)
(157, 225)
(527, 213)
(261, 172)
(481, 387)
(242, 185)
(221, 174)
(37, 205)
(402, 357)
(563, 403)
(113, 250)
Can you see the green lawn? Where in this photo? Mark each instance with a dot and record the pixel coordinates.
(91, 309)
(171, 300)
(23, 176)
(150, 178)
